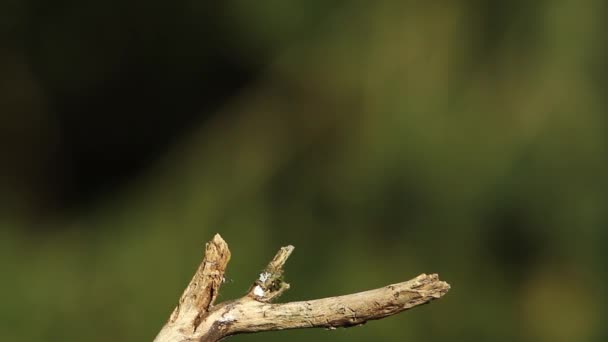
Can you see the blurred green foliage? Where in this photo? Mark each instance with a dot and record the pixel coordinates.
(384, 139)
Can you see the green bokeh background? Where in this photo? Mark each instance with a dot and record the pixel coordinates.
(383, 139)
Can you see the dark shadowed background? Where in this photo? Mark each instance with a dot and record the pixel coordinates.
(383, 139)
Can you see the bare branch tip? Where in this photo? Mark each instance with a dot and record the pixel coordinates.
(286, 251)
(218, 240)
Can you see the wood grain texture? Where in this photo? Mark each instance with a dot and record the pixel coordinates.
(196, 319)
(200, 294)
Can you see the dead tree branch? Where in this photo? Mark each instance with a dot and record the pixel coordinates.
(196, 318)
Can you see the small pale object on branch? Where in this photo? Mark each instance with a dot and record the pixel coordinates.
(196, 318)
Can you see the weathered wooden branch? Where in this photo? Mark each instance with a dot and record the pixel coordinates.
(197, 319)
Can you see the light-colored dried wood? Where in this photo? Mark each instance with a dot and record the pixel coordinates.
(196, 319)
(199, 296)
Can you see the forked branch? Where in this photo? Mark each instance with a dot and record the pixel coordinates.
(196, 318)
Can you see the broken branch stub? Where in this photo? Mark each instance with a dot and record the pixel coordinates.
(196, 318)
(270, 284)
